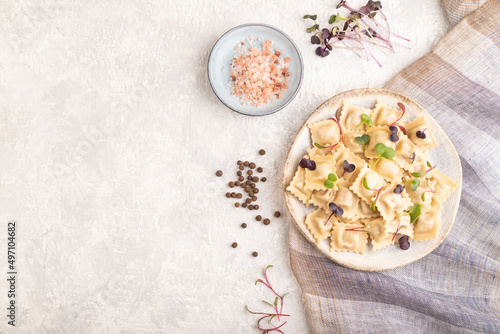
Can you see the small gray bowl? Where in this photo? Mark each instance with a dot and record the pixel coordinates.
(223, 53)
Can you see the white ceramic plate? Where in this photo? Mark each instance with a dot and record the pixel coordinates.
(444, 156)
(223, 53)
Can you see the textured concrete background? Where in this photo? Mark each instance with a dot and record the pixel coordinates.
(109, 140)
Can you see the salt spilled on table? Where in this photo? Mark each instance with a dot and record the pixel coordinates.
(259, 76)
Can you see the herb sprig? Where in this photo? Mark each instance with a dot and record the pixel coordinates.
(424, 173)
(364, 139)
(330, 181)
(356, 32)
(278, 310)
(365, 184)
(331, 147)
(383, 152)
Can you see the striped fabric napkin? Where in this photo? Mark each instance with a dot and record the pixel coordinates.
(456, 288)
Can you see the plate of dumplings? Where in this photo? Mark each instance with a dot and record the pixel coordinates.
(372, 180)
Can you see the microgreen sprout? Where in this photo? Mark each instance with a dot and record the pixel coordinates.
(365, 119)
(383, 152)
(394, 133)
(364, 139)
(412, 158)
(398, 228)
(278, 310)
(348, 168)
(402, 128)
(331, 147)
(335, 209)
(356, 32)
(414, 184)
(365, 184)
(359, 229)
(330, 181)
(404, 244)
(430, 190)
(423, 173)
(399, 189)
(414, 213)
(307, 163)
(421, 134)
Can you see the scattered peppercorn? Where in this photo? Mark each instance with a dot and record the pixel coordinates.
(246, 163)
(260, 169)
(266, 221)
(255, 254)
(262, 152)
(244, 225)
(252, 165)
(256, 207)
(218, 173)
(234, 244)
(277, 214)
(228, 195)
(237, 204)
(258, 218)
(249, 172)
(263, 179)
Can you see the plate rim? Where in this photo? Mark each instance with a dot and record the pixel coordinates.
(286, 196)
(301, 62)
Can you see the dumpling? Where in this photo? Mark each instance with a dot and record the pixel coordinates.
(379, 237)
(388, 169)
(351, 116)
(325, 132)
(315, 178)
(426, 186)
(349, 238)
(321, 198)
(400, 225)
(297, 185)
(388, 202)
(340, 156)
(420, 124)
(443, 188)
(385, 115)
(427, 225)
(316, 222)
(347, 200)
(364, 211)
(404, 152)
(351, 143)
(420, 165)
(380, 134)
(373, 180)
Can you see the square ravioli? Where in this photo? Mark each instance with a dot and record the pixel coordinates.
(378, 234)
(319, 225)
(379, 134)
(390, 203)
(386, 115)
(427, 225)
(373, 181)
(297, 186)
(350, 117)
(349, 238)
(321, 198)
(343, 154)
(418, 132)
(325, 132)
(351, 143)
(315, 178)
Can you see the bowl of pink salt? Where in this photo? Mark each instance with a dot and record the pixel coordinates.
(255, 69)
